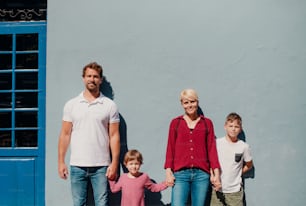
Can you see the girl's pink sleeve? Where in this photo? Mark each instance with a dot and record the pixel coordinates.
(155, 187)
(115, 186)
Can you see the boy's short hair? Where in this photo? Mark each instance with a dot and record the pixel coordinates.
(133, 155)
(232, 117)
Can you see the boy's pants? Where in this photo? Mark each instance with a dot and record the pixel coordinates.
(227, 199)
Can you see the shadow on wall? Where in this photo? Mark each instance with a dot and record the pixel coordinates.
(114, 199)
(249, 174)
(107, 90)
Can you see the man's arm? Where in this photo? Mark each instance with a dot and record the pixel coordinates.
(63, 143)
(114, 142)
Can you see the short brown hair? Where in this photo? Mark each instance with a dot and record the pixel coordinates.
(133, 155)
(232, 117)
(94, 66)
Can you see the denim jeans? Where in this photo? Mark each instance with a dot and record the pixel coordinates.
(190, 181)
(80, 177)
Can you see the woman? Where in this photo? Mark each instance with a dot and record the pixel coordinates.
(191, 154)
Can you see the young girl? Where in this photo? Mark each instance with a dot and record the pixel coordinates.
(134, 182)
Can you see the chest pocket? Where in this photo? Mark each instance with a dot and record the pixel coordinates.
(238, 157)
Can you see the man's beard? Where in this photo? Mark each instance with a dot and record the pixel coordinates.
(93, 89)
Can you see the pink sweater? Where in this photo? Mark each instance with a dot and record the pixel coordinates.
(133, 188)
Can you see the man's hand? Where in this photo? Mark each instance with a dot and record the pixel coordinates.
(63, 171)
(111, 172)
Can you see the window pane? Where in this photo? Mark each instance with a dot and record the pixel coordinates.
(5, 61)
(5, 139)
(26, 42)
(5, 81)
(5, 120)
(26, 119)
(21, 4)
(26, 100)
(27, 80)
(26, 138)
(6, 42)
(5, 100)
(27, 61)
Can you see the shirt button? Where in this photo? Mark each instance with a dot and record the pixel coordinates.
(190, 140)
(191, 149)
(191, 157)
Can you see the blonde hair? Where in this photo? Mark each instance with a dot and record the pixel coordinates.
(133, 155)
(190, 94)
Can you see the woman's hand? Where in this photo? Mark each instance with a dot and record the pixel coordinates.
(215, 179)
(170, 179)
(217, 184)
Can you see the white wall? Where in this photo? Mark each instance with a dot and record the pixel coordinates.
(242, 56)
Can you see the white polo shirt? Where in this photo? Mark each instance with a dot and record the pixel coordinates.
(89, 138)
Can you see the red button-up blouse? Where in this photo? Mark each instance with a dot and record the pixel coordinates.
(191, 148)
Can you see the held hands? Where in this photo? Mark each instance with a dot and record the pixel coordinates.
(111, 172)
(215, 179)
(170, 179)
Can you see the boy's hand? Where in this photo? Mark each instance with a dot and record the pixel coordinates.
(217, 186)
(215, 179)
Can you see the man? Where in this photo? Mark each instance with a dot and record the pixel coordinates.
(91, 124)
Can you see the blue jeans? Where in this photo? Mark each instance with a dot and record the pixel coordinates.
(80, 177)
(190, 181)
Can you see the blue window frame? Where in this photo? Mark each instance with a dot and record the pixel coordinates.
(22, 112)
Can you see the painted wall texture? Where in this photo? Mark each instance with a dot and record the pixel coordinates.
(243, 56)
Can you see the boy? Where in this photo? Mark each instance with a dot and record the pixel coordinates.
(235, 159)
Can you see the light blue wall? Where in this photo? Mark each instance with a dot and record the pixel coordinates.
(242, 56)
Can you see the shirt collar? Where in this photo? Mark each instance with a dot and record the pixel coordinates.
(182, 116)
(97, 100)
